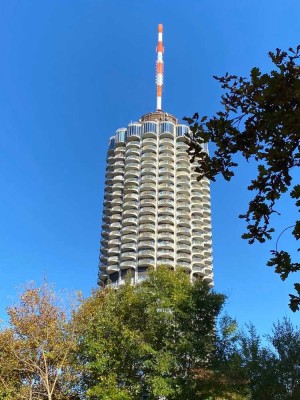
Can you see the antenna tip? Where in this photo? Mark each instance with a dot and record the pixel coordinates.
(160, 27)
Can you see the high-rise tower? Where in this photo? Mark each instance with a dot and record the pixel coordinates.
(155, 211)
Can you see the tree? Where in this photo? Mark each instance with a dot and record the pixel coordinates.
(35, 348)
(273, 370)
(150, 338)
(260, 120)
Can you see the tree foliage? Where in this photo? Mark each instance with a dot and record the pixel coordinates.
(273, 370)
(150, 338)
(35, 348)
(260, 120)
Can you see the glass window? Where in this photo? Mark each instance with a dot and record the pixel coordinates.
(121, 135)
(182, 130)
(134, 130)
(111, 143)
(149, 127)
(166, 127)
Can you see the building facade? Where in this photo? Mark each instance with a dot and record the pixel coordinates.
(155, 211)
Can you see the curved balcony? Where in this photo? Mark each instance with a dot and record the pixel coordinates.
(166, 244)
(114, 243)
(206, 221)
(166, 157)
(146, 262)
(116, 186)
(119, 155)
(146, 236)
(166, 235)
(147, 218)
(146, 171)
(166, 140)
(208, 278)
(196, 195)
(134, 142)
(112, 260)
(165, 227)
(166, 171)
(185, 265)
(152, 148)
(184, 247)
(130, 213)
(168, 178)
(131, 204)
(198, 269)
(129, 221)
(183, 206)
(116, 193)
(166, 210)
(148, 163)
(114, 234)
(129, 238)
(148, 178)
(206, 198)
(165, 253)
(184, 231)
(115, 225)
(112, 269)
(116, 218)
(131, 189)
(196, 217)
(166, 149)
(147, 210)
(148, 186)
(148, 157)
(165, 219)
(182, 196)
(147, 227)
(146, 253)
(148, 193)
(113, 251)
(197, 242)
(103, 260)
(132, 158)
(165, 261)
(166, 202)
(118, 178)
(127, 264)
(116, 209)
(150, 244)
(183, 222)
(205, 188)
(131, 164)
(166, 194)
(132, 173)
(128, 246)
(132, 151)
(183, 239)
(129, 229)
(147, 202)
(128, 255)
(166, 134)
(165, 163)
(149, 139)
(131, 196)
(198, 251)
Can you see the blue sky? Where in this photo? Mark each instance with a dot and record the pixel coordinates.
(71, 73)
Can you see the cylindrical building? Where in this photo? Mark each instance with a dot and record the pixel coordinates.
(155, 211)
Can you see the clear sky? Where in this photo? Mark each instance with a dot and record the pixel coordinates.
(71, 73)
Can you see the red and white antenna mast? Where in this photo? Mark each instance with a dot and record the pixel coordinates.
(159, 68)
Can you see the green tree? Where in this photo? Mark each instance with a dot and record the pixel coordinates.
(151, 338)
(260, 120)
(273, 369)
(35, 348)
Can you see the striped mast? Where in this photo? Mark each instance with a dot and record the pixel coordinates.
(159, 68)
